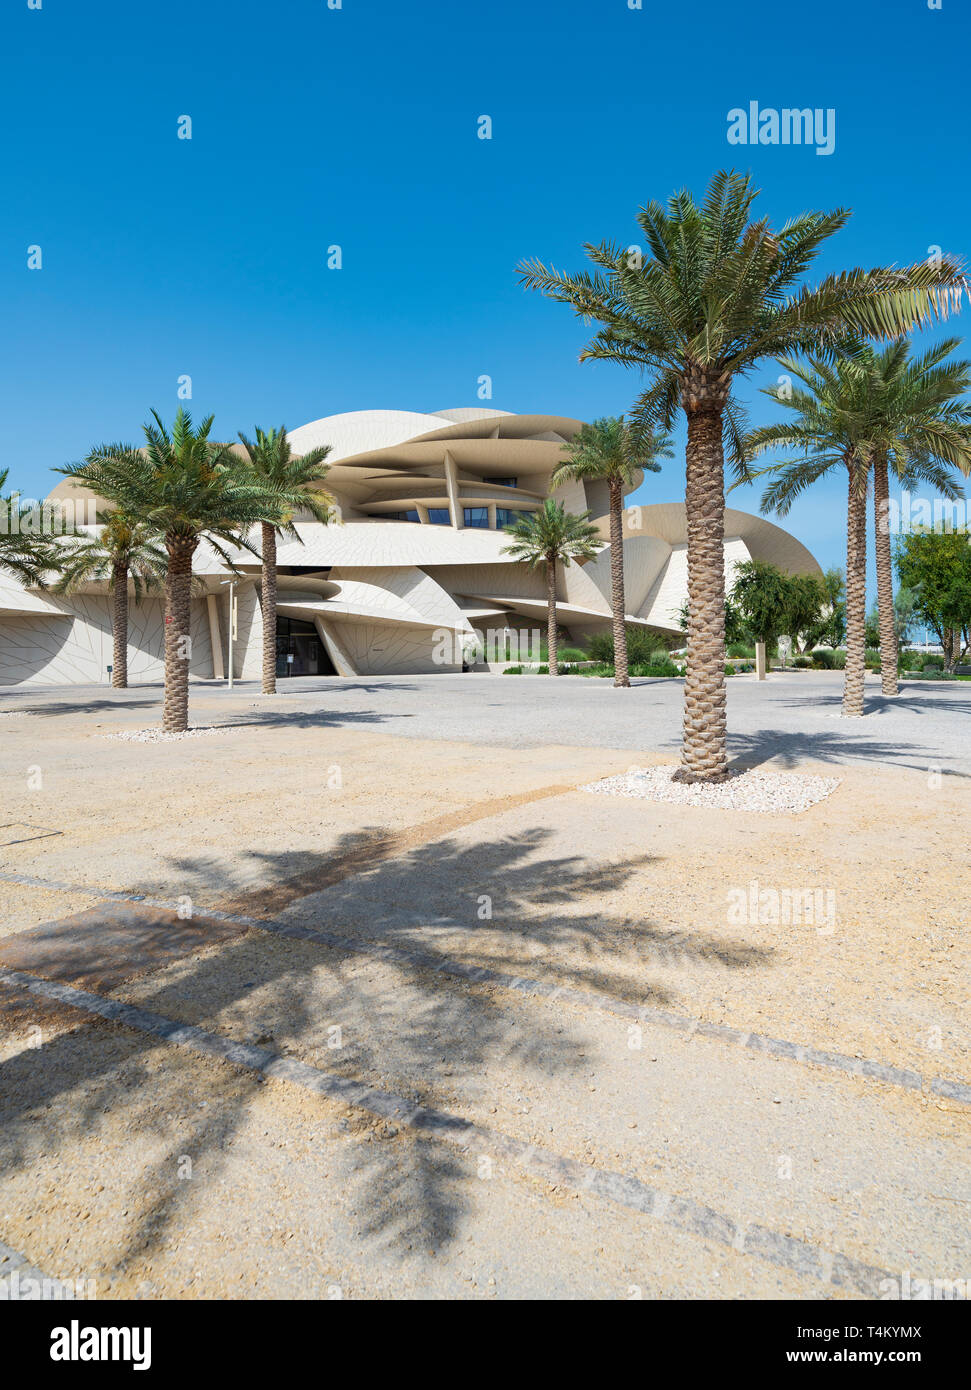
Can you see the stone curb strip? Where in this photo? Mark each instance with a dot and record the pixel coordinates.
(54, 1289)
(757, 1042)
(680, 1213)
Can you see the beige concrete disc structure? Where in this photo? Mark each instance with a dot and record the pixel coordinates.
(411, 573)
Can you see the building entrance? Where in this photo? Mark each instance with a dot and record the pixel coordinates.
(299, 650)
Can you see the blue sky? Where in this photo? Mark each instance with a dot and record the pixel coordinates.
(357, 127)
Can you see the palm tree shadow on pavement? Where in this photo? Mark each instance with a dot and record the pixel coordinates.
(795, 751)
(407, 1026)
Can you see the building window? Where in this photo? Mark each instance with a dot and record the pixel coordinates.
(476, 516)
(401, 516)
(439, 516)
(506, 482)
(505, 517)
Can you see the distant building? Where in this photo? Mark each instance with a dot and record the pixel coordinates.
(413, 571)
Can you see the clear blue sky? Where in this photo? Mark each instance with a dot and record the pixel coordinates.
(357, 126)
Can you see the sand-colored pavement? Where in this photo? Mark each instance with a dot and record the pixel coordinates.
(422, 861)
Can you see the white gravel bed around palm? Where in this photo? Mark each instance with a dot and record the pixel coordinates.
(160, 736)
(754, 790)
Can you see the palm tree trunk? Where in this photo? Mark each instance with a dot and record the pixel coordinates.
(621, 676)
(855, 595)
(178, 644)
(949, 646)
(704, 752)
(119, 627)
(881, 527)
(551, 616)
(268, 599)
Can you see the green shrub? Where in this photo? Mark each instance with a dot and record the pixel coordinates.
(741, 649)
(828, 659)
(600, 647)
(513, 671)
(655, 668)
(644, 647)
(804, 662)
(824, 658)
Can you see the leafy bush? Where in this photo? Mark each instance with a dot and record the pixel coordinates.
(600, 647)
(525, 654)
(824, 658)
(937, 674)
(741, 649)
(644, 647)
(513, 671)
(655, 668)
(804, 663)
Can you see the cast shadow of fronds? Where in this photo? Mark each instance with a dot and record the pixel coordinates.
(408, 1026)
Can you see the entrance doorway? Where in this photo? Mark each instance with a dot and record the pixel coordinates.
(299, 650)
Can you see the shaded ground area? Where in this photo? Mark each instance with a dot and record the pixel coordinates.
(419, 857)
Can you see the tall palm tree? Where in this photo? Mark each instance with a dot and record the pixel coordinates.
(186, 487)
(25, 554)
(286, 479)
(549, 537)
(715, 295)
(836, 423)
(609, 450)
(919, 415)
(124, 550)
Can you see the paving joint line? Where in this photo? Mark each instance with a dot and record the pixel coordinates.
(16, 1269)
(681, 1213)
(690, 1027)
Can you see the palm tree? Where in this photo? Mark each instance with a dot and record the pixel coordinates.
(545, 538)
(26, 555)
(124, 550)
(609, 450)
(836, 423)
(919, 416)
(185, 487)
(286, 480)
(715, 296)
